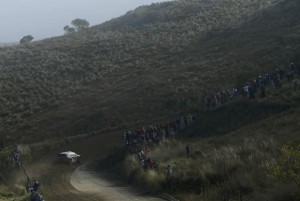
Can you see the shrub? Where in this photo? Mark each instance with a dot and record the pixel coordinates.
(287, 168)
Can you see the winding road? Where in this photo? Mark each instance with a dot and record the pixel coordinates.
(67, 183)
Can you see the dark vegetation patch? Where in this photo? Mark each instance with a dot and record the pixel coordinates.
(233, 116)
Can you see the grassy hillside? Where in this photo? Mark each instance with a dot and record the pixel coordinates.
(252, 152)
(141, 66)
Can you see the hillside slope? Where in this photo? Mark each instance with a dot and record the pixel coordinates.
(142, 65)
(246, 151)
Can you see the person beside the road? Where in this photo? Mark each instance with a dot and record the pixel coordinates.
(188, 150)
(16, 159)
(169, 172)
(36, 186)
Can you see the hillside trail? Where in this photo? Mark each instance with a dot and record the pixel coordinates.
(61, 182)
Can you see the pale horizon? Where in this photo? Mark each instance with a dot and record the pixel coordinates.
(46, 18)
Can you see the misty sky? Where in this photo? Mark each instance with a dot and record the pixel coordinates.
(46, 18)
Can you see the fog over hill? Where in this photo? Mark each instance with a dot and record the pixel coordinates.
(150, 63)
(7, 44)
(45, 19)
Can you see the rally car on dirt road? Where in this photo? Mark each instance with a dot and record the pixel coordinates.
(68, 157)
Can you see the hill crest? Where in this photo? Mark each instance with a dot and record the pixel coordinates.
(115, 74)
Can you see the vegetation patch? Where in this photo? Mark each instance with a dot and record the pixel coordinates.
(257, 160)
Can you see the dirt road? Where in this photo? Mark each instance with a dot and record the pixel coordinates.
(91, 183)
(67, 183)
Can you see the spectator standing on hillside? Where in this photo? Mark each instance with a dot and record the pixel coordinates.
(297, 69)
(175, 128)
(214, 101)
(182, 125)
(251, 92)
(143, 164)
(281, 74)
(156, 167)
(208, 102)
(262, 91)
(16, 159)
(190, 119)
(169, 172)
(246, 90)
(141, 154)
(289, 76)
(188, 150)
(295, 84)
(292, 67)
(162, 133)
(36, 186)
(38, 197)
(149, 163)
(185, 119)
(272, 83)
(33, 196)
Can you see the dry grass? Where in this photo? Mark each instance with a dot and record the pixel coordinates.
(249, 160)
(113, 76)
(127, 71)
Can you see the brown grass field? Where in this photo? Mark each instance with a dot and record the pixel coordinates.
(147, 67)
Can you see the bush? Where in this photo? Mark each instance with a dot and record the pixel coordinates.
(287, 168)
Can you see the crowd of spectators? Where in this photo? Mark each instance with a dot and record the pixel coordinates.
(256, 87)
(140, 141)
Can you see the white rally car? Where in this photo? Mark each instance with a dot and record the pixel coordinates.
(69, 157)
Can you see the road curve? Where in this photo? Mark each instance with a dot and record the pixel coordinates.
(66, 183)
(93, 184)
